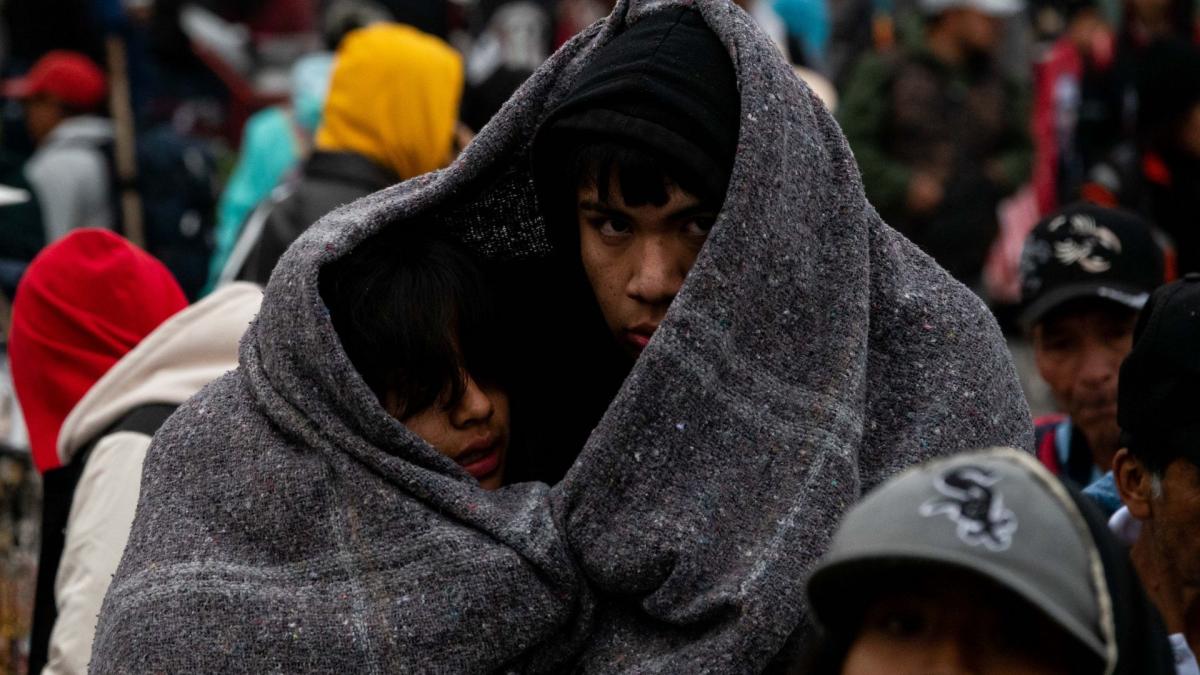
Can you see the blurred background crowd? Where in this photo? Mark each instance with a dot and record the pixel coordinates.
(208, 133)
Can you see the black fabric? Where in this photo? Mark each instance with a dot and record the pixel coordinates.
(1160, 377)
(58, 492)
(175, 185)
(665, 84)
(328, 180)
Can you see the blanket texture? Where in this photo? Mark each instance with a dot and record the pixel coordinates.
(288, 524)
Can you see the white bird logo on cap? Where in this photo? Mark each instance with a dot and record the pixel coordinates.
(1086, 243)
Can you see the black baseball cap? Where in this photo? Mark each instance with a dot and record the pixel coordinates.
(1160, 379)
(1088, 251)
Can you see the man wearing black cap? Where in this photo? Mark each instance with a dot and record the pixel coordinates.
(1085, 273)
(1157, 471)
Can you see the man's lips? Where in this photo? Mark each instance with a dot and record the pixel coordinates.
(481, 457)
(639, 336)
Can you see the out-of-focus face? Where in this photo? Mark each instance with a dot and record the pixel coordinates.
(1189, 132)
(980, 33)
(1086, 28)
(636, 257)
(1079, 353)
(1150, 10)
(42, 114)
(474, 432)
(947, 624)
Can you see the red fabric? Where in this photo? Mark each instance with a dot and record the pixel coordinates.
(1045, 430)
(67, 76)
(1061, 61)
(84, 302)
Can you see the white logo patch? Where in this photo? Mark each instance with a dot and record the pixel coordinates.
(1087, 245)
(977, 510)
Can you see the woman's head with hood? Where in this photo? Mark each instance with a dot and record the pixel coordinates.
(981, 563)
(394, 98)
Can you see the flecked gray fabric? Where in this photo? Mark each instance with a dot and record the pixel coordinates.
(287, 524)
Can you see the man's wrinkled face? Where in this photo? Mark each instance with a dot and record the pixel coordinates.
(636, 257)
(1079, 353)
(1176, 515)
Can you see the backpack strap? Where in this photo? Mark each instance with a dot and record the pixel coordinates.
(58, 492)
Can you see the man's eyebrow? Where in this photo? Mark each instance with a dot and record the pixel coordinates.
(601, 207)
(699, 209)
(685, 212)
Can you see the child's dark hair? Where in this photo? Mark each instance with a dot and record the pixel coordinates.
(415, 314)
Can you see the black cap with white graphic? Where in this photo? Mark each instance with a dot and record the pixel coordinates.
(1088, 251)
(995, 514)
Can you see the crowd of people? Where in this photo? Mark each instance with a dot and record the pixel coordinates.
(546, 336)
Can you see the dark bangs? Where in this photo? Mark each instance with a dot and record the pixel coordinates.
(415, 314)
(642, 177)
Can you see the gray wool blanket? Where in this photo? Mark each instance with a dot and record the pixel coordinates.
(288, 524)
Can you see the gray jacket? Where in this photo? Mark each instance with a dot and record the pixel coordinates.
(70, 176)
(287, 523)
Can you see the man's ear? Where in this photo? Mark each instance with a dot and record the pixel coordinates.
(1134, 483)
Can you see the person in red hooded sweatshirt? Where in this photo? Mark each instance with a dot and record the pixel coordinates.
(102, 350)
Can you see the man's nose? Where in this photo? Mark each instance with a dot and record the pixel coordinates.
(475, 407)
(1098, 366)
(948, 656)
(659, 272)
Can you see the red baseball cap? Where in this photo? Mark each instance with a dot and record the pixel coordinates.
(69, 77)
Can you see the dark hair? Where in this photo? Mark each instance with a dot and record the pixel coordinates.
(415, 314)
(643, 178)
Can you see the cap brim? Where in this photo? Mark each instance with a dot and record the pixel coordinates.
(829, 585)
(1121, 294)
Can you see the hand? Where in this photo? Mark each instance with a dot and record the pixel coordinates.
(925, 193)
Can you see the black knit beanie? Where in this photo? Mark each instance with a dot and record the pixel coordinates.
(666, 85)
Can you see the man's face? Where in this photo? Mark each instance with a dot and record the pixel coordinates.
(1078, 352)
(636, 257)
(42, 114)
(1175, 513)
(979, 33)
(951, 623)
(1189, 132)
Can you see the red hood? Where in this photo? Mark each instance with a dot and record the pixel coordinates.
(84, 303)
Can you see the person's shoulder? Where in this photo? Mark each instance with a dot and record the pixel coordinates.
(67, 160)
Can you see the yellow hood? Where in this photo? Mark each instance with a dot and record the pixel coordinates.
(394, 98)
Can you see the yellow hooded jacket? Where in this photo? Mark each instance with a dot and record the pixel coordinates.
(394, 98)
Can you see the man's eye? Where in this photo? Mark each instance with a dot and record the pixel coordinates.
(699, 227)
(610, 228)
(904, 624)
(1058, 344)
